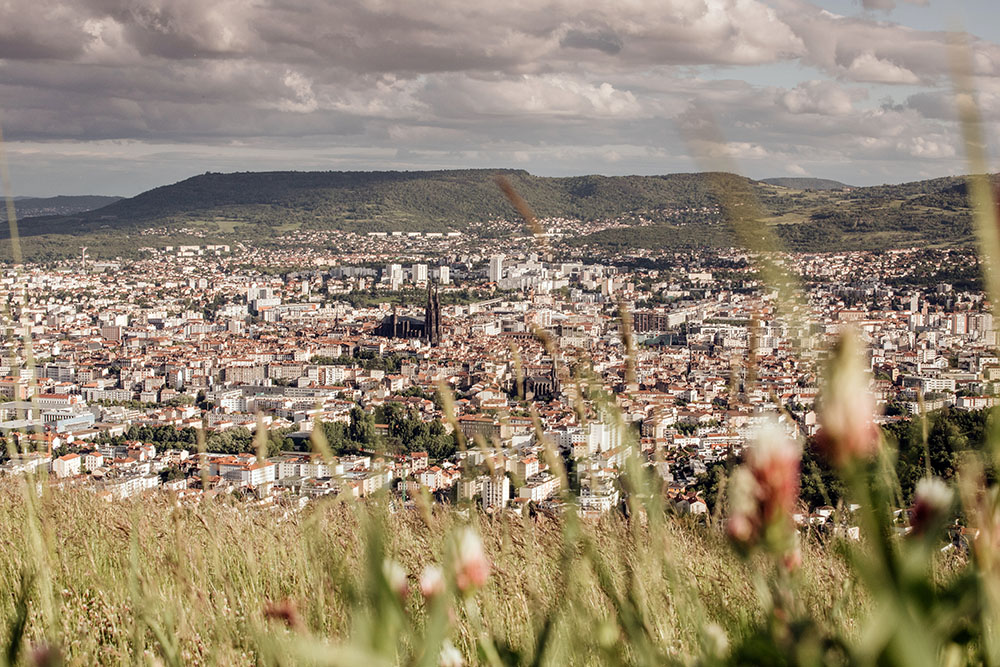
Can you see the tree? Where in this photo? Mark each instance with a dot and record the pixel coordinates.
(362, 430)
(820, 484)
(337, 437)
(171, 473)
(181, 399)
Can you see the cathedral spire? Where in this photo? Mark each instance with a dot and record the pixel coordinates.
(432, 317)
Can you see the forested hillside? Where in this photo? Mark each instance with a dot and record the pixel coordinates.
(673, 210)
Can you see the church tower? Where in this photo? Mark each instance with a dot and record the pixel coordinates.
(432, 317)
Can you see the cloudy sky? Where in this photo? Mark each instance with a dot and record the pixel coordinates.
(117, 96)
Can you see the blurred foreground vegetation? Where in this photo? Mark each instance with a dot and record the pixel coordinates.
(154, 582)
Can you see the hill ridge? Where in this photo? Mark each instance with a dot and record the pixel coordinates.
(673, 209)
(57, 205)
(805, 183)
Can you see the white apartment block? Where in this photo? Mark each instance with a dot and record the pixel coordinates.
(67, 465)
(539, 488)
(496, 492)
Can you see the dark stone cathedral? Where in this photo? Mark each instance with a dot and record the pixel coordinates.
(427, 329)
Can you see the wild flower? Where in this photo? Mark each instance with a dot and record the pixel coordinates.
(472, 568)
(932, 500)
(432, 582)
(742, 526)
(450, 656)
(763, 492)
(395, 577)
(716, 640)
(849, 432)
(45, 655)
(285, 611)
(792, 559)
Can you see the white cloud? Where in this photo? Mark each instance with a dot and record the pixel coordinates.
(929, 147)
(821, 97)
(869, 67)
(547, 95)
(563, 85)
(878, 51)
(302, 99)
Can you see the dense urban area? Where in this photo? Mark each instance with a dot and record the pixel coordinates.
(464, 365)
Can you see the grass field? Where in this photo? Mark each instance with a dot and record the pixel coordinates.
(190, 584)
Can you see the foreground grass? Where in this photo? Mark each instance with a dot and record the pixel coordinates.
(151, 581)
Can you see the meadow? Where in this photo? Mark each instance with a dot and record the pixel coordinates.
(152, 581)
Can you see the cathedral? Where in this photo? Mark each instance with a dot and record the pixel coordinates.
(428, 329)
